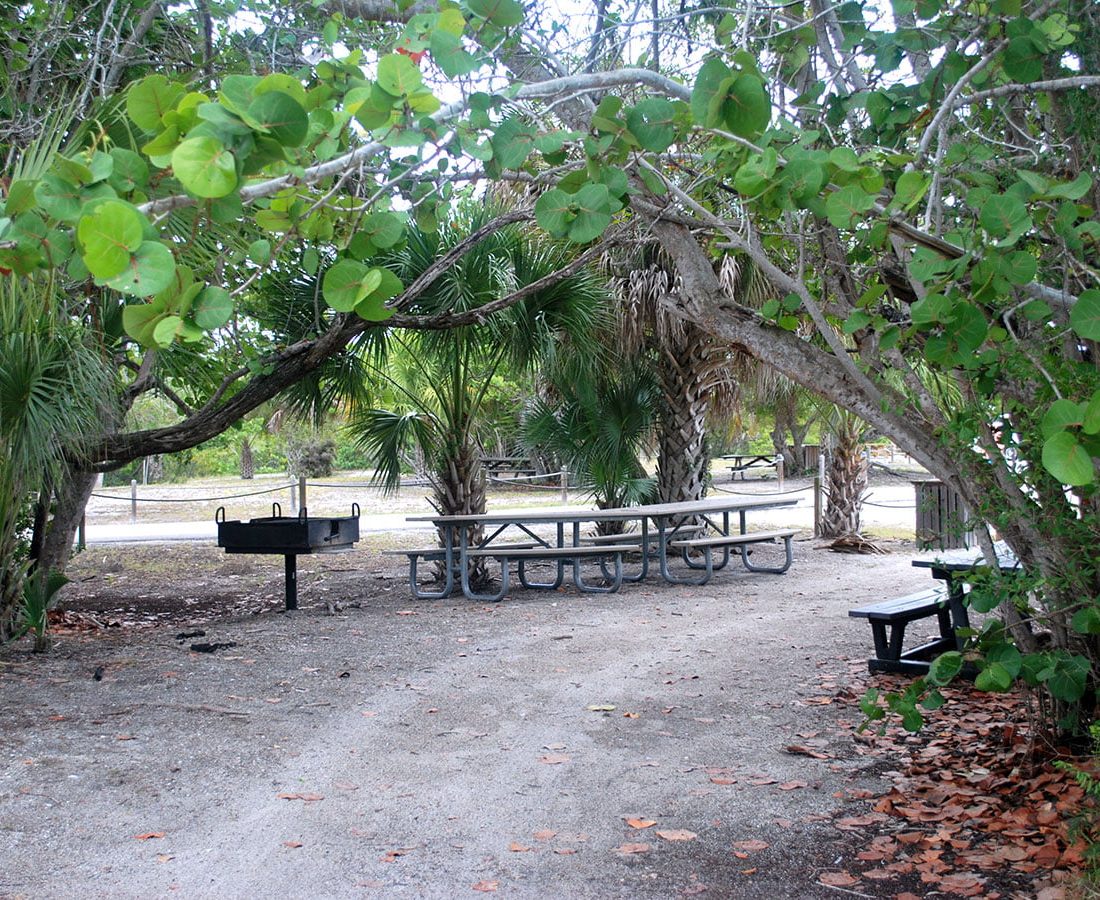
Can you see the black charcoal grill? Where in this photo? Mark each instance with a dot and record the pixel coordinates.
(289, 536)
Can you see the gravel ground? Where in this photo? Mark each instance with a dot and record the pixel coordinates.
(374, 745)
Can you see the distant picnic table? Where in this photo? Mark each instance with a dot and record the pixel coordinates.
(517, 465)
(742, 462)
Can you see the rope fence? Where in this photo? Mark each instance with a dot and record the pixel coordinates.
(132, 498)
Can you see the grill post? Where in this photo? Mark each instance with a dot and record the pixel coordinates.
(291, 581)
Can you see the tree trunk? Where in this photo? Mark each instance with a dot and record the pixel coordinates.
(682, 461)
(847, 481)
(459, 488)
(70, 500)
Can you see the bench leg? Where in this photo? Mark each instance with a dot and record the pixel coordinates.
(542, 585)
(492, 598)
(445, 591)
(616, 578)
(703, 579)
(882, 645)
(775, 570)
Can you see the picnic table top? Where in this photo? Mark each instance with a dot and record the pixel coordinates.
(553, 515)
(965, 560)
(762, 457)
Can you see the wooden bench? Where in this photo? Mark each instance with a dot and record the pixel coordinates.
(726, 542)
(433, 554)
(895, 615)
(561, 555)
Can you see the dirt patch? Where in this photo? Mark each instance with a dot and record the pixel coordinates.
(371, 744)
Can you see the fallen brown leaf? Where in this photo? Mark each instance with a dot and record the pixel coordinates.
(640, 823)
(677, 834)
(837, 879)
(517, 847)
(293, 845)
(792, 785)
(630, 849)
(308, 798)
(554, 759)
(564, 851)
(751, 845)
(545, 835)
(486, 887)
(164, 857)
(149, 835)
(723, 779)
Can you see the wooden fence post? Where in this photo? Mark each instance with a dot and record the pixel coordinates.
(564, 483)
(302, 493)
(133, 500)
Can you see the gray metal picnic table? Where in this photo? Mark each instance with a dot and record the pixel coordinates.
(671, 530)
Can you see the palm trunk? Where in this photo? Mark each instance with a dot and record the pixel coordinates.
(682, 461)
(70, 500)
(459, 488)
(847, 481)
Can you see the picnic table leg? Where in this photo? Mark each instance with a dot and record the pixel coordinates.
(775, 570)
(708, 566)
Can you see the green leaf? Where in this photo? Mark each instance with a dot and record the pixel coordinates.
(374, 309)
(109, 236)
(1086, 621)
(553, 212)
(164, 332)
(260, 252)
(502, 13)
(1067, 460)
(709, 92)
(1005, 217)
(857, 320)
(968, 327)
(450, 55)
(747, 109)
(389, 286)
(398, 75)
(1084, 318)
(130, 171)
(212, 308)
(149, 271)
(1018, 267)
(592, 204)
(934, 700)
(1022, 60)
(1090, 424)
(846, 205)
(653, 123)
(1068, 677)
(910, 188)
(59, 198)
(1073, 190)
(384, 229)
(845, 159)
(804, 178)
(281, 116)
(347, 283)
(205, 167)
(1062, 414)
(512, 143)
(1006, 656)
(994, 677)
(945, 667)
(238, 91)
(149, 99)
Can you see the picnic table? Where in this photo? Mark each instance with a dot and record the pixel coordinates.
(662, 532)
(947, 602)
(517, 465)
(742, 462)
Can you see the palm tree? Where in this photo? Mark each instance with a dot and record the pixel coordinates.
(439, 382)
(598, 423)
(52, 393)
(847, 476)
(698, 375)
